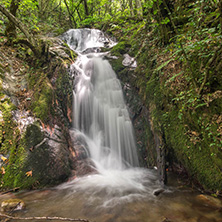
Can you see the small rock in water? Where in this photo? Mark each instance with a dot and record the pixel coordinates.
(158, 192)
(167, 220)
(12, 205)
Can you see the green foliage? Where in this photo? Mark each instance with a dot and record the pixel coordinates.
(121, 48)
(28, 14)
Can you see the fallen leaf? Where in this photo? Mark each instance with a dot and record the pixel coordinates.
(29, 173)
(3, 170)
(3, 158)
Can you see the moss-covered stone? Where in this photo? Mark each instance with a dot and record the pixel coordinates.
(48, 164)
(12, 147)
(121, 48)
(41, 102)
(12, 205)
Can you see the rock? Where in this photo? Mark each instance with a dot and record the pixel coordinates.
(158, 192)
(13, 205)
(209, 201)
(23, 119)
(129, 61)
(49, 155)
(85, 167)
(166, 220)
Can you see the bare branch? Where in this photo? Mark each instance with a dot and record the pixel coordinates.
(42, 218)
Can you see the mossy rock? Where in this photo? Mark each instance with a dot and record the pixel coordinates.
(48, 156)
(12, 205)
(121, 48)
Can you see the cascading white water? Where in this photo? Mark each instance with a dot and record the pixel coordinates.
(102, 120)
(99, 108)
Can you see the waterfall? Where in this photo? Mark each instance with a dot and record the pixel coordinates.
(100, 112)
(101, 120)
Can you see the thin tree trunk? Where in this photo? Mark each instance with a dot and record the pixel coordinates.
(71, 17)
(86, 8)
(32, 41)
(10, 30)
(139, 9)
(131, 8)
(220, 7)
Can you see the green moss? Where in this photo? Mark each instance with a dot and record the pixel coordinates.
(7, 126)
(195, 157)
(117, 65)
(63, 93)
(121, 48)
(41, 103)
(11, 146)
(15, 173)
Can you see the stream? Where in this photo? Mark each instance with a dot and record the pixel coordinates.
(176, 204)
(119, 190)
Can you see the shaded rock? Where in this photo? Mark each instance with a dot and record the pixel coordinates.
(12, 205)
(79, 145)
(129, 61)
(167, 220)
(158, 192)
(48, 154)
(85, 167)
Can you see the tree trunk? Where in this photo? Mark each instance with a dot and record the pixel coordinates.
(71, 16)
(86, 8)
(131, 8)
(10, 30)
(220, 7)
(139, 9)
(32, 43)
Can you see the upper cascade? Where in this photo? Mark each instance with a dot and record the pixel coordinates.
(80, 40)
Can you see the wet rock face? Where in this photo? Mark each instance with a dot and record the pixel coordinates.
(83, 165)
(48, 154)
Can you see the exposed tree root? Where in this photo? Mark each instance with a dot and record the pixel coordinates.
(42, 218)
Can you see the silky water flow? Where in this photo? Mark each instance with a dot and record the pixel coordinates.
(101, 120)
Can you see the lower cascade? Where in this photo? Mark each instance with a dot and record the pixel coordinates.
(101, 120)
